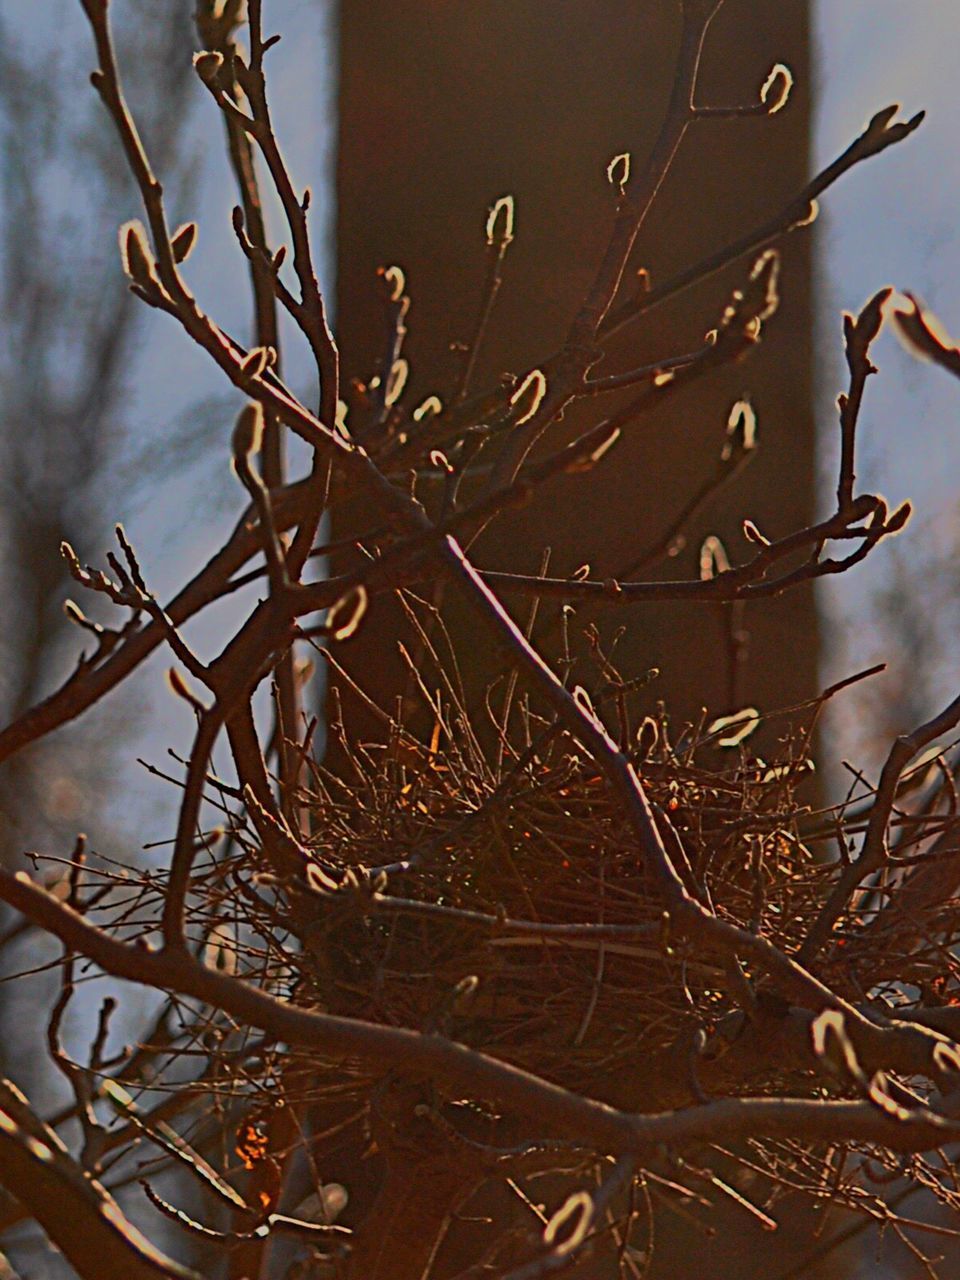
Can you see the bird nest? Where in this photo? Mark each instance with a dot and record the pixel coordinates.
(495, 893)
(489, 888)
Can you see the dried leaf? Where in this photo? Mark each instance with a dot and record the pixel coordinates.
(579, 1207)
(396, 381)
(340, 423)
(753, 534)
(713, 558)
(207, 65)
(922, 333)
(430, 407)
(833, 1046)
(741, 429)
(395, 280)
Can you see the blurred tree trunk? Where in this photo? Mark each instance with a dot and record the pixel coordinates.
(443, 109)
(453, 105)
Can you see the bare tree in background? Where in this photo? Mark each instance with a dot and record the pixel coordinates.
(69, 350)
(518, 980)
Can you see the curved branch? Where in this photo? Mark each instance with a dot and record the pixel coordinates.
(454, 1066)
(81, 1218)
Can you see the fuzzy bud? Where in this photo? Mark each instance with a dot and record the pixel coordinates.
(207, 65)
(183, 241)
(500, 222)
(135, 253)
(255, 362)
(528, 396)
(248, 432)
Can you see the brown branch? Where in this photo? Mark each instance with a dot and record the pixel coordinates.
(188, 828)
(569, 1251)
(309, 311)
(265, 284)
(499, 240)
(748, 581)
(456, 1067)
(620, 774)
(80, 1217)
(89, 683)
(617, 381)
(407, 544)
(176, 298)
(86, 686)
(873, 851)
(796, 214)
(859, 333)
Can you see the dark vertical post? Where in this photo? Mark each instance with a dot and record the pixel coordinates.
(445, 106)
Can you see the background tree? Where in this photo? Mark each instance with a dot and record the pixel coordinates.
(546, 135)
(66, 355)
(65, 378)
(547, 948)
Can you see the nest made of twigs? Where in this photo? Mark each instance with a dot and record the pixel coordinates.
(491, 861)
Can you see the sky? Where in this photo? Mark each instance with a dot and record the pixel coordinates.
(893, 221)
(174, 491)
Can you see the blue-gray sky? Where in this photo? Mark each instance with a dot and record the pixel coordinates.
(892, 221)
